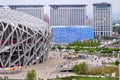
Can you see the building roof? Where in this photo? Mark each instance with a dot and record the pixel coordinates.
(102, 4)
(71, 26)
(68, 5)
(14, 17)
(23, 6)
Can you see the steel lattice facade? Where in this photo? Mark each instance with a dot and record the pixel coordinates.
(24, 39)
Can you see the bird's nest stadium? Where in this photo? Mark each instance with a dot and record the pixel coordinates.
(24, 39)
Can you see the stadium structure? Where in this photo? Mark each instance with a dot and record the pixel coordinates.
(24, 39)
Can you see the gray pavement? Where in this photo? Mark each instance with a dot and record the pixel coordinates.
(51, 68)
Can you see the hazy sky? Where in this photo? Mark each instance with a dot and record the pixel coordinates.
(115, 3)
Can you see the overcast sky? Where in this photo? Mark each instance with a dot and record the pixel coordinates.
(115, 4)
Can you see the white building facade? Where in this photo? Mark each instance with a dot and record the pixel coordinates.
(102, 21)
(67, 15)
(34, 10)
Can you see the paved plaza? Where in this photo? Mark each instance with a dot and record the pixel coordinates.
(55, 63)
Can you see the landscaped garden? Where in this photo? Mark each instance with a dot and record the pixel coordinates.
(88, 43)
(104, 73)
(84, 78)
(90, 48)
(82, 69)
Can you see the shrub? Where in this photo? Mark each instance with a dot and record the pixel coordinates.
(86, 43)
(59, 47)
(81, 68)
(68, 48)
(76, 49)
(53, 48)
(102, 70)
(117, 62)
(31, 75)
(76, 68)
(96, 71)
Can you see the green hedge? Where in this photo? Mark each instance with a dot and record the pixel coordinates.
(87, 43)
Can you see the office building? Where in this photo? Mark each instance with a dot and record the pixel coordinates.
(46, 18)
(102, 13)
(68, 34)
(67, 15)
(34, 10)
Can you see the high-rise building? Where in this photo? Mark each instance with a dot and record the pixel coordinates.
(67, 15)
(34, 10)
(102, 13)
(89, 21)
(46, 18)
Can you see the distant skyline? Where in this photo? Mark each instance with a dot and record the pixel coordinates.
(115, 4)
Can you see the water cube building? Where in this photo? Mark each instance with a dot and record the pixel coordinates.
(68, 34)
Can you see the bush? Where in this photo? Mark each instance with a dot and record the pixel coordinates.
(53, 48)
(76, 69)
(109, 69)
(81, 68)
(102, 70)
(31, 75)
(59, 47)
(76, 49)
(68, 47)
(117, 62)
(96, 71)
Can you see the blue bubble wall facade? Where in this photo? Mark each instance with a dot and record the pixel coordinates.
(63, 34)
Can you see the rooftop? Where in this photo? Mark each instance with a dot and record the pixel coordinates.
(68, 5)
(102, 4)
(23, 5)
(70, 26)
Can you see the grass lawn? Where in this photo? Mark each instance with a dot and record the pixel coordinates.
(112, 63)
(84, 78)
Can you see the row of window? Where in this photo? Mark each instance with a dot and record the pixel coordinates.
(103, 33)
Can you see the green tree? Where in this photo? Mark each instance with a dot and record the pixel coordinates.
(68, 48)
(76, 49)
(76, 68)
(81, 68)
(31, 75)
(59, 47)
(53, 48)
(117, 62)
(86, 43)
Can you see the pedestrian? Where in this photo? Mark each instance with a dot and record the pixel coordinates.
(23, 74)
